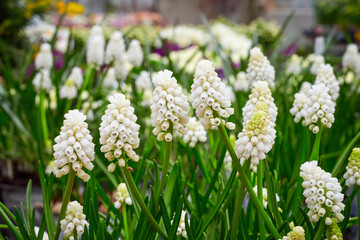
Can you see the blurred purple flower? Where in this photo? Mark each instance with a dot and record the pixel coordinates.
(220, 72)
(169, 46)
(237, 65)
(289, 51)
(30, 70)
(58, 59)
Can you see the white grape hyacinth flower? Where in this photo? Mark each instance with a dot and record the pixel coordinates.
(143, 81)
(42, 81)
(317, 62)
(241, 83)
(319, 109)
(210, 97)
(119, 132)
(68, 90)
(45, 235)
(294, 65)
(135, 53)
(76, 76)
(265, 196)
(110, 80)
(194, 132)
(75, 220)
(352, 174)
(296, 233)
(74, 147)
(257, 136)
(326, 76)
(122, 195)
(259, 68)
(319, 45)
(44, 59)
(351, 58)
(169, 106)
(181, 230)
(297, 110)
(122, 67)
(322, 193)
(95, 47)
(146, 98)
(115, 47)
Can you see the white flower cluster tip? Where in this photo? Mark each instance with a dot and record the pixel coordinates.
(122, 195)
(241, 83)
(169, 106)
(72, 84)
(95, 47)
(194, 132)
(143, 81)
(110, 80)
(209, 95)
(258, 134)
(74, 220)
(115, 48)
(319, 108)
(135, 53)
(265, 196)
(317, 62)
(352, 174)
(322, 193)
(259, 68)
(294, 65)
(296, 233)
(325, 75)
(181, 230)
(44, 59)
(351, 58)
(119, 132)
(42, 80)
(74, 147)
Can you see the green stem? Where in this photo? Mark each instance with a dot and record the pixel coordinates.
(125, 222)
(316, 147)
(88, 76)
(260, 196)
(235, 220)
(75, 234)
(165, 166)
(321, 229)
(244, 178)
(44, 125)
(338, 166)
(66, 199)
(358, 209)
(137, 196)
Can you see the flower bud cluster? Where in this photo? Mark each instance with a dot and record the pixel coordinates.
(119, 132)
(169, 106)
(110, 80)
(297, 233)
(265, 196)
(143, 81)
(181, 230)
(122, 195)
(352, 174)
(74, 147)
(317, 62)
(319, 108)
(42, 80)
(259, 68)
(326, 76)
(294, 65)
(209, 97)
(194, 132)
(241, 83)
(135, 53)
(44, 59)
(322, 193)
(115, 47)
(333, 231)
(72, 84)
(95, 47)
(74, 220)
(351, 58)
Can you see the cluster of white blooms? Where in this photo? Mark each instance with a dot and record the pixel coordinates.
(44, 59)
(181, 230)
(296, 233)
(42, 80)
(76, 76)
(115, 48)
(110, 80)
(351, 58)
(326, 76)
(319, 45)
(319, 108)
(119, 132)
(352, 174)
(74, 147)
(209, 95)
(227, 37)
(194, 132)
(95, 47)
(265, 196)
(68, 90)
(45, 235)
(258, 134)
(317, 62)
(184, 35)
(74, 220)
(143, 81)
(298, 110)
(135, 53)
(51, 168)
(241, 83)
(169, 106)
(146, 98)
(122, 67)
(322, 193)
(259, 68)
(294, 65)
(187, 58)
(122, 195)
(333, 231)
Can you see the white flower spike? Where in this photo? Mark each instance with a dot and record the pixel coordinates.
(74, 220)
(259, 68)
(44, 59)
(122, 195)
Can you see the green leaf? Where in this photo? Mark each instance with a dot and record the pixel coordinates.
(308, 223)
(176, 219)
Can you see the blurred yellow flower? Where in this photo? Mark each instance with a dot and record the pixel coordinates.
(33, 6)
(71, 9)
